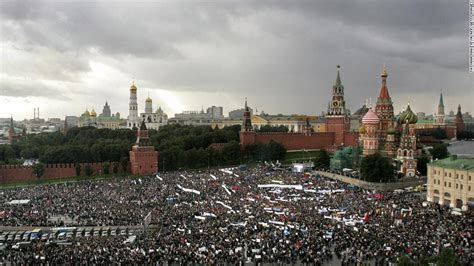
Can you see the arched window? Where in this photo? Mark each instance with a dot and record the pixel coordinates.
(446, 194)
(436, 191)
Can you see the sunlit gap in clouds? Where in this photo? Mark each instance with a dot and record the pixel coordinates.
(171, 103)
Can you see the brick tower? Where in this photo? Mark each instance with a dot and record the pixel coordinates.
(247, 135)
(337, 119)
(440, 117)
(143, 157)
(459, 121)
(12, 136)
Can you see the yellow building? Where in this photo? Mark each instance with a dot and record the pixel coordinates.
(451, 183)
(104, 120)
(294, 123)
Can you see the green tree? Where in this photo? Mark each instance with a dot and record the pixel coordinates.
(38, 169)
(77, 167)
(322, 159)
(115, 167)
(231, 153)
(447, 257)
(439, 151)
(124, 163)
(106, 168)
(439, 133)
(421, 165)
(6, 153)
(88, 170)
(376, 168)
(253, 152)
(466, 135)
(405, 260)
(276, 151)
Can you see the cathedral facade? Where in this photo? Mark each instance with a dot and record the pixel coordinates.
(382, 133)
(153, 120)
(105, 120)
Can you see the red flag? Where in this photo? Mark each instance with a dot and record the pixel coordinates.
(366, 218)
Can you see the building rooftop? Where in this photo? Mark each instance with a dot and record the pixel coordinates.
(459, 163)
(425, 121)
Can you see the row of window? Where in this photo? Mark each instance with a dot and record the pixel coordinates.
(438, 172)
(448, 184)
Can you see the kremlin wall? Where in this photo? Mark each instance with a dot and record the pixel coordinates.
(19, 173)
(143, 161)
(299, 141)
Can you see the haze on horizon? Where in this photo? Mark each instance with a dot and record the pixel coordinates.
(66, 56)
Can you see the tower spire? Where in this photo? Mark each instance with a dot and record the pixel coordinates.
(338, 78)
(247, 120)
(441, 105)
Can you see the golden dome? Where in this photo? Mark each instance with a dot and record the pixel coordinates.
(362, 130)
(133, 88)
(148, 100)
(93, 113)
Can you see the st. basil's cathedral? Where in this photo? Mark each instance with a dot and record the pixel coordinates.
(382, 133)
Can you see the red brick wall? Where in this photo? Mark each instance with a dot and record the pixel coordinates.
(338, 126)
(247, 137)
(298, 141)
(351, 138)
(16, 173)
(143, 160)
(450, 131)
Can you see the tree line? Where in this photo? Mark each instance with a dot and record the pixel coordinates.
(179, 147)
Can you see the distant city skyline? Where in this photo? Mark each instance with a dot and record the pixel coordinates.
(64, 57)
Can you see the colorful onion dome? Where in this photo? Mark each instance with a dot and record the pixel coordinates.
(391, 131)
(370, 117)
(408, 115)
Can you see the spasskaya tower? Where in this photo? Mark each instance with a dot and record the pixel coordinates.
(337, 117)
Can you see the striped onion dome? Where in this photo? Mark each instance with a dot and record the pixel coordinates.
(370, 117)
(408, 115)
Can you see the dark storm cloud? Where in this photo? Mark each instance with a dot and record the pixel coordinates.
(268, 50)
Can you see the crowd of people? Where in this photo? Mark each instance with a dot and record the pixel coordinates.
(233, 216)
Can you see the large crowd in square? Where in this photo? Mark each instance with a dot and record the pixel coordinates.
(234, 216)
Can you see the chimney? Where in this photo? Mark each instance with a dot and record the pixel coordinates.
(34, 114)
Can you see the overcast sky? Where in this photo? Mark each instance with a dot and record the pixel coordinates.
(66, 56)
